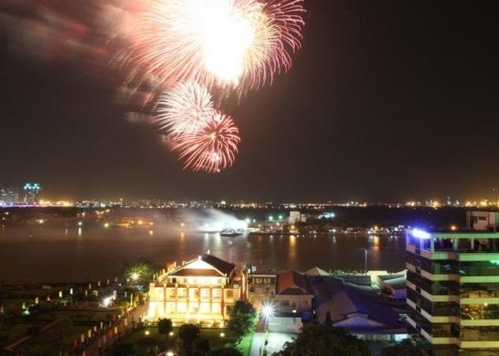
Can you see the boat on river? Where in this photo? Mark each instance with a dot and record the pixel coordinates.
(231, 233)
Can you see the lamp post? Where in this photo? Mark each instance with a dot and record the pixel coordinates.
(365, 260)
(267, 311)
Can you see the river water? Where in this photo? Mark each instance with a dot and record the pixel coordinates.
(45, 254)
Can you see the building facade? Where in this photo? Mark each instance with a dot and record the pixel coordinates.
(453, 290)
(32, 193)
(9, 195)
(261, 289)
(201, 291)
(482, 220)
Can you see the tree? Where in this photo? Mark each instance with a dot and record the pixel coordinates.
(124, 349)
(318, 339)
(165, 326)
(139, 272)
(201, 346)
(328, 322)
(188, 333)
(408, 347)
(243, 319)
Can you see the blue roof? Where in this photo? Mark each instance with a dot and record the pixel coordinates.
(343, 300)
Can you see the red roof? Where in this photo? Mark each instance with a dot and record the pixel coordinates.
(292, 283)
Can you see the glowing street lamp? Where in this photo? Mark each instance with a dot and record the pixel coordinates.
(267, 311)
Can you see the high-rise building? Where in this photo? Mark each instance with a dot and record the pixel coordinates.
(9, 195)
(453, 290)
(32, 193)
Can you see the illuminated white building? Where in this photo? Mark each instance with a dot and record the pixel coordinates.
(200, 291)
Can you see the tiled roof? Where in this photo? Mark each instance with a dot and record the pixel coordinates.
(292, 283)
(187, 272)
(343, 300)
(221, 265)
(316, 271)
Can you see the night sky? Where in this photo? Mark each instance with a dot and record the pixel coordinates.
(387, 101)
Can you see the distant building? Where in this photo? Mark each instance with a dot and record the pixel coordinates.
(482, 220)
(453, 290)
(296, 216)
(9, 195)
(200, 291)
(32, 193)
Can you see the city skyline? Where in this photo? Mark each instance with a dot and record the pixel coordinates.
(385, 101)
(31, 194)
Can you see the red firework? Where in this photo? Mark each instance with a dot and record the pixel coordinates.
(212, 147)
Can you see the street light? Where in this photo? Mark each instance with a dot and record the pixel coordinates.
(267, 311)
(365, 260)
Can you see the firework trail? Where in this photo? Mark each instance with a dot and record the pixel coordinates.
(212, 147)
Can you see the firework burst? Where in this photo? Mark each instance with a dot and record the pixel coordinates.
(184, 109)
(226, 43)
(192, 48)
(212, 147)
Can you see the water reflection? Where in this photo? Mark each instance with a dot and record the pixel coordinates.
(64, 255)
(292, 248)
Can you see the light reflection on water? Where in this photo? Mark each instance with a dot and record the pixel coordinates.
(81, 254)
